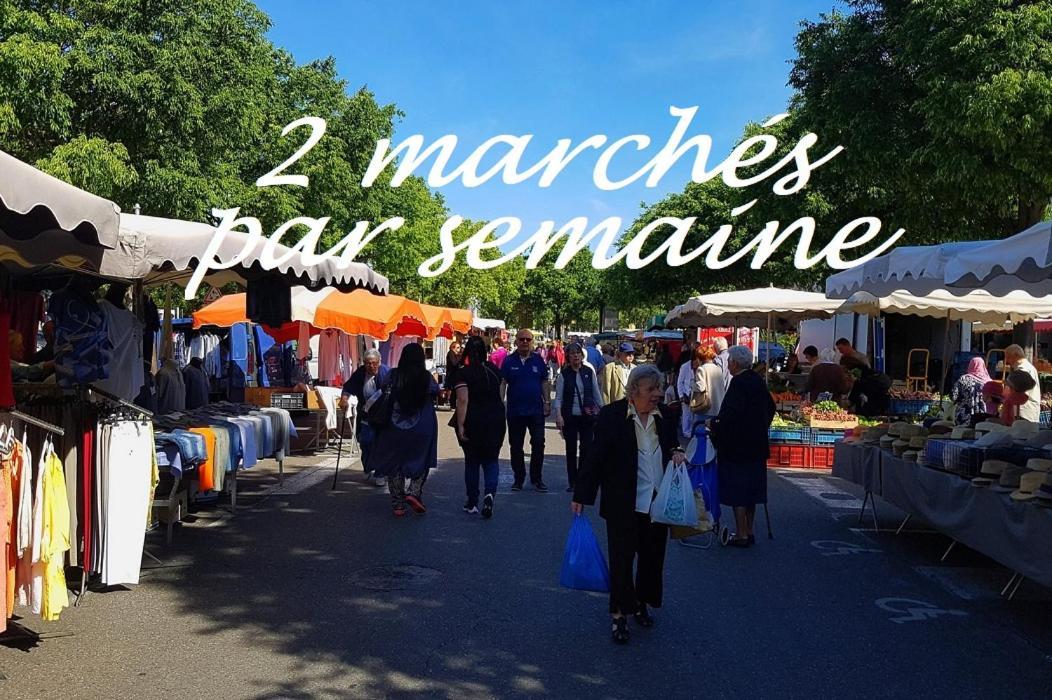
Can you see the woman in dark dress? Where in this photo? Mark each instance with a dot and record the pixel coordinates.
(739, 434)
(408, 447)
(480, 423)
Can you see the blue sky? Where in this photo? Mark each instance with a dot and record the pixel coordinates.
(557, 70)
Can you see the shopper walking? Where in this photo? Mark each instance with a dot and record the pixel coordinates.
(479, 422)
(593, 356)
(529, 401)
(498, 354)
(408, 447)
(739, 434)
(633, 442)
(364, 382)
(577, 403)
(615, 374)
(722, 359)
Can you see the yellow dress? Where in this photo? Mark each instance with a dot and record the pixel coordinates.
(55, 540)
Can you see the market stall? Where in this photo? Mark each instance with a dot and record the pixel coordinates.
(78, 402)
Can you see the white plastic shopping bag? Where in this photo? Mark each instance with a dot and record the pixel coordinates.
(674, 504)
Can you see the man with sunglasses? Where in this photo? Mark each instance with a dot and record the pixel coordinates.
(528, 400)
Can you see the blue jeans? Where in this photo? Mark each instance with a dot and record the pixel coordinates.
(491, 471)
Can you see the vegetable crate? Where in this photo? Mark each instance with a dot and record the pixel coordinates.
(910, 407)
(796, 435)
(820, 436)
(801, 456)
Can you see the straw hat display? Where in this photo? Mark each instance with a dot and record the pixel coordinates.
(1010, 478)
(989, 427)
(990, 472)
(900, 446)
(1029, 483)
(962, 432)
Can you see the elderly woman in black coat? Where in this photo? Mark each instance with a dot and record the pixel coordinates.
(739, 434)
(632, 442)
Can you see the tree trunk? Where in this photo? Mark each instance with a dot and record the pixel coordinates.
(1030, 212)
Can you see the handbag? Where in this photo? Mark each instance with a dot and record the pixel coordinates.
(675, 504)
(379, 407)
(700, 402)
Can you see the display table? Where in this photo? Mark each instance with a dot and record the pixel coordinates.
(1016, 534)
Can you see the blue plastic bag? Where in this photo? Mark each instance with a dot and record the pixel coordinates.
(584, 566)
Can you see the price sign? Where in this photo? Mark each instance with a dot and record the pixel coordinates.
(212, 295)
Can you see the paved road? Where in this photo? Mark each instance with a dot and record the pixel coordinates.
(323, 594)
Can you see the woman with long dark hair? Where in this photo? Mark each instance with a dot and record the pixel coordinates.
(480, 423)
(408, 447)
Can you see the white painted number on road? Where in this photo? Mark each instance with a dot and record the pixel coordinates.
(834, 548)
(908, 610)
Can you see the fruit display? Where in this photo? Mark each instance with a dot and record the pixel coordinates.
(785, 423)
(786, 396)
(827, 414)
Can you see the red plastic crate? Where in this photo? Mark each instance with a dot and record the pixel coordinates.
(788, 456)
(801, 456)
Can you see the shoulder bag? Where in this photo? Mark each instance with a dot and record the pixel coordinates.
(700, 401)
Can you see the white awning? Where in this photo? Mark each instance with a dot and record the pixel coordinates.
(157, 250)
(1021, 263)
(912, 269)
(978, 306)
(487, 323)
(33, 202)
(751, 307)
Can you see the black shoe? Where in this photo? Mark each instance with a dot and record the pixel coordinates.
(487, 506)
(569, 489)
(470, 508)
(619, 629)
(517, 486)
(540, 486)
(643, 618)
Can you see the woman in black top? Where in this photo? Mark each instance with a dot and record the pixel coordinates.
(480, 423)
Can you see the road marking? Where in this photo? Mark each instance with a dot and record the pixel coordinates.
(825, 492)
(835, 548)
(909, 610)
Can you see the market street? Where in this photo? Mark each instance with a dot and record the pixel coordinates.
(322, 594)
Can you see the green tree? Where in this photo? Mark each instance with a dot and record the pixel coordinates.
(562, 298)
(944, 106)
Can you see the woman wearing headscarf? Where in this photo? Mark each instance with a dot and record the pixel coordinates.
(408, 447)
(480, 423)
(967, 393)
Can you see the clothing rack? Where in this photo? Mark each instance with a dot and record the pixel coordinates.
(26, 418)
(118, 400)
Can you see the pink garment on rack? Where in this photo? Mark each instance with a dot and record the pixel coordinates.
(328, 355)
(303, 342)
(345, 359)
(398, 344)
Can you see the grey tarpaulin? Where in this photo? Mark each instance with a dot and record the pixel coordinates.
(1016, 534)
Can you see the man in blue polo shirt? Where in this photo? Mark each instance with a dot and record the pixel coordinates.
(529, 401)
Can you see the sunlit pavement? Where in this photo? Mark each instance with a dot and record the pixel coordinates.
(310, 592)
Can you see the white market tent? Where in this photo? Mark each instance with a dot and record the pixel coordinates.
(915, 269)
(977, 306)
(751, 307)
(1020, 263)
(487, 323)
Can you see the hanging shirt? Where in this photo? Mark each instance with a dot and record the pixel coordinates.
(196, 383)
(55, 539)
(125, 336)
(171, 388)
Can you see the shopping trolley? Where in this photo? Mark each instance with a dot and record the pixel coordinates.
(703, 477)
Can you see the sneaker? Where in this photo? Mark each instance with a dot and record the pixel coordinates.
(471, 509)
(487, 506)
(517, 486)
(415, 503)
(541, 486)
(399, 511)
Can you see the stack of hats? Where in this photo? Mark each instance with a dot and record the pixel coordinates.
(1043, 494)
(900, 446)
(990, 427)
(872, 436)
(941, 427)
(1010, 478)
(887, 441)
(916, 448)
(1029, 484)
(990, 472)
(1024, 429)
(962, 432)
